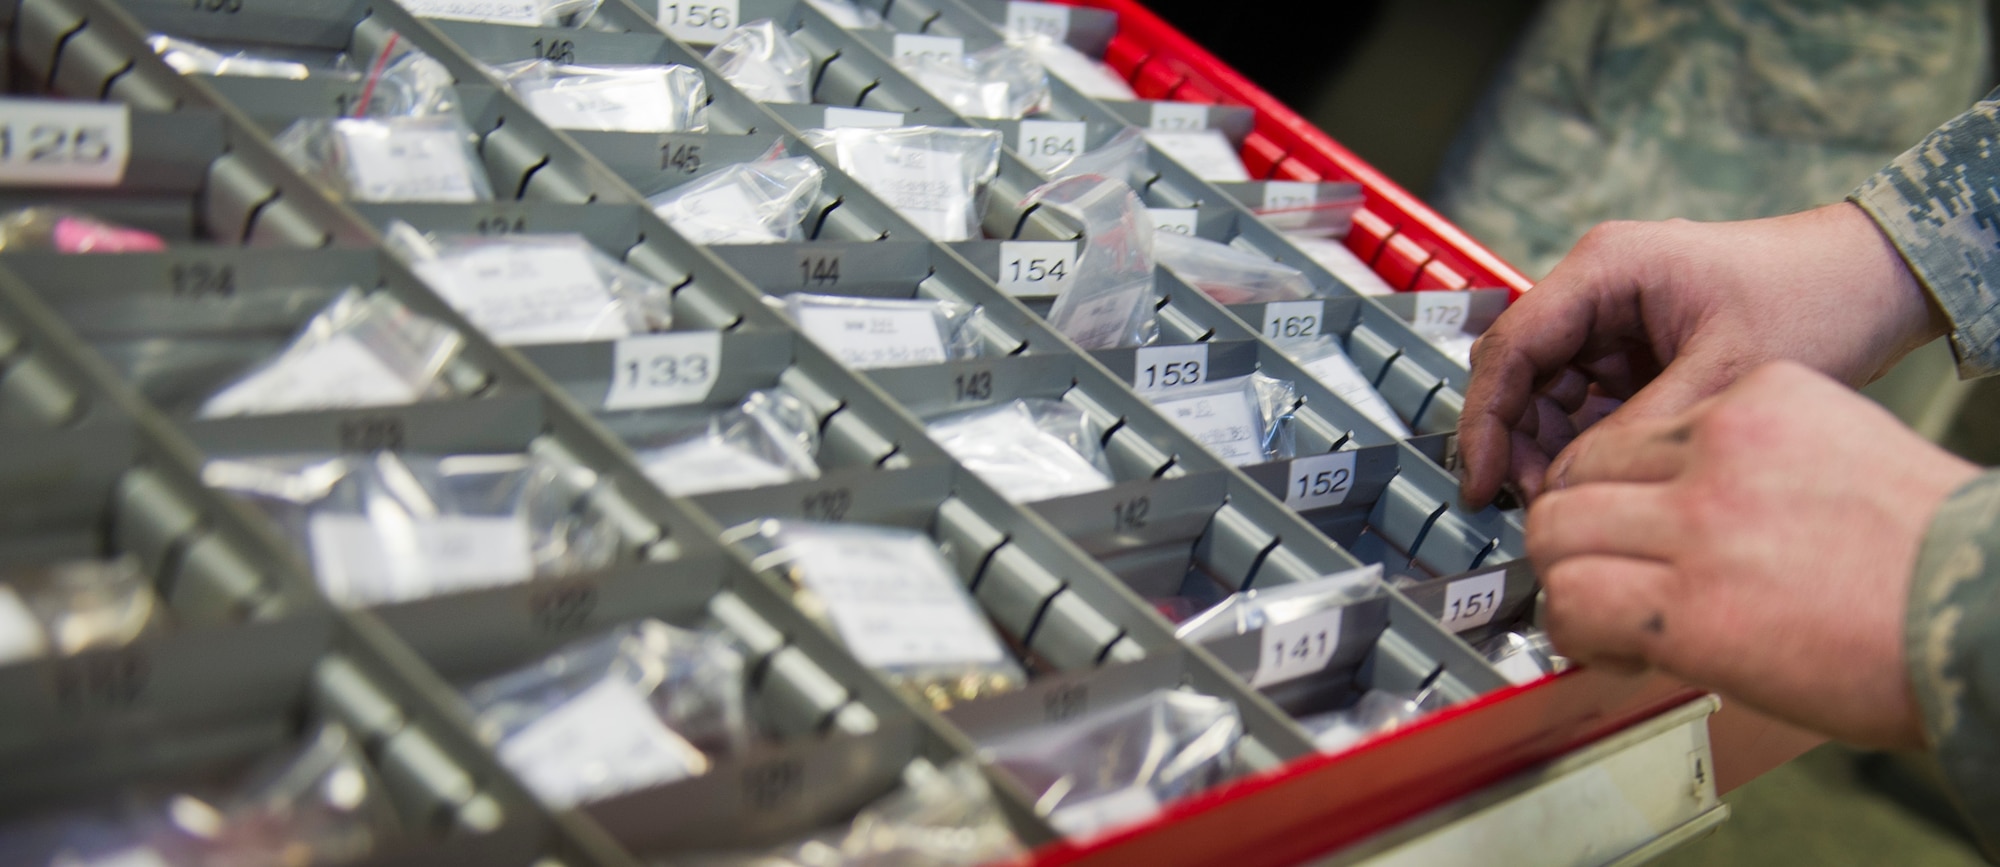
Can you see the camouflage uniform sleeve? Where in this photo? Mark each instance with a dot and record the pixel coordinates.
(1939, 203)
(1952, 644)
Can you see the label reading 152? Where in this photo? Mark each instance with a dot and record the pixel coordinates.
(1320, 480)
(56, 143)
(663, 369)
(1157, 369)
(1036, 267)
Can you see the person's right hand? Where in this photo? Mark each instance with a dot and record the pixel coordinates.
(1660, 315)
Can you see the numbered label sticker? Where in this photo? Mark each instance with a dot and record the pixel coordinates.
(700, 23)
(1471, 602)
(517, 12)
(1290, 195)
(1441, 312)
(1179, 117)
(46, 143)
(838, 118)
(1046, 144)
(1298, 648)
(1165, 369)
(912, 47)
(1293, 320)
(663, 369)
(1036, 267)
(1038, 19)
(1179, 221)
(1320, 481)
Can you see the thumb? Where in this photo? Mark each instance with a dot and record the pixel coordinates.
(1686, 382)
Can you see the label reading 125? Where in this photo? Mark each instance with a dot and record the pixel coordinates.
(55, 143)
(1298, 648)
(663, 369)
(1160, 369)
(1036, 267)
(1471, 602)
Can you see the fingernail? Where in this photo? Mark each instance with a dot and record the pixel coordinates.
(1559, 474)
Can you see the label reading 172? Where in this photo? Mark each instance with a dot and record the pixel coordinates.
(58, 143)
(1038, 19)
(1036, 267)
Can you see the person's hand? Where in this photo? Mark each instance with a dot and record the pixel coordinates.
(1759, 544)
(1661, 315)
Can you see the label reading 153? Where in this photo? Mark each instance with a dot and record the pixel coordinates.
(1036, 267)
(56, 143)
(1157, 369)
(663, 369)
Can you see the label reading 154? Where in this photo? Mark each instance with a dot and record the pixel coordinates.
(1036, 267)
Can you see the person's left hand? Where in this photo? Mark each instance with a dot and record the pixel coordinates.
(1759, 544)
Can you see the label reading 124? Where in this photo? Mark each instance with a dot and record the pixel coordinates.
(1471, 602)
(1320, 480)
(1036, 267)
(1179, 221)
(1046, 144)
(1038, 19)
(1293, 320)
(46, 142)
(700, 23)
(1298, 648)
(1161, 369)
(663, 369)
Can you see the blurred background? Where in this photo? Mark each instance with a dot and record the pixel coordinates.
(1528, 121)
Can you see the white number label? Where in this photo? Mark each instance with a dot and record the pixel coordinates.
(391, 163)
(1298, 648)
(1441, 312)
(1320, 480)
(862, 337)
(1179, 117)
(699, 23)
(663, 369)
(1287, 195)
(517, 12)
(1471, 602)
(1038, 19)
(1293, 320)
(1046, 144)
(838, 117)
(1036, 267)
(46, 142)
(911, 48)
(1159, 369)
(1223, 423)
(1179, 221)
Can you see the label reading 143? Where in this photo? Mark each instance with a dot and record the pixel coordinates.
(663, 369)
(55, 143)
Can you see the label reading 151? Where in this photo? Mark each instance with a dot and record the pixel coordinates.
(1036, 267)
(1320, 480)
(1298, 648)
(663, 369)
(1471, 602)
(1158, 369)
(55, 143)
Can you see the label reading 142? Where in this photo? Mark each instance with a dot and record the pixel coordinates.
(55, 143)
(1298, 648)
(1471, 602)
(663, 369)
(1036, 267)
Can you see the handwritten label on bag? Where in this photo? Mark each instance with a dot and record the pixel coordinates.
(929, 188)
(1224, 423)
(1297, 648)
(634, 102)
(1036, 267)
(893, 600)
(1320, 480)
(527, 293)
(700, 23)
(837, 117)
(663, 369)
(865, 337)
(1179, 221)
(526, 13)
(339, 372)
(1471, 602)
(1050, 20)
(1293, 320)
(1046, 144)
(1178, 117)
(55, 143)
(1100, 322)
(1162, 369)
(405, 163)
(604, 741)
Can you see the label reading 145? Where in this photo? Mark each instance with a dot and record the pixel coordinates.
(57, 143)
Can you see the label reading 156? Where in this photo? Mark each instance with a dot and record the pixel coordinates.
(56, 143)
(1036, 267)
(1471, 602)
(699, 23)
(1157, 369)
(663, 369)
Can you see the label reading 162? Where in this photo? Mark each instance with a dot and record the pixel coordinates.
(1179, 221)
(55, 143)
(663, 369)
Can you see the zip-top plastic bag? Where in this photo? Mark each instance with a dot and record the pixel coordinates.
(642, 705)
(1120, 765)
(519, 13)
(1208, 153)
(1088, 75)
(764, 63)
(891, 597)
(1251, 610)
(763, 202)
(1243, 420)
(75, 605)
(1123, 158)
(1523, 656)
(1322, 358)
(386, 527)
(1030, 449)
(768, 438)
(405, 82)
(1230, 275)
(621, 98)
(389, 159)
(850, 15)
(1377, 711)
(1109, 302)
(188, 57)
(527, 289)
(1001, 82)
(935, 177)
(866, 333)
(360, 350)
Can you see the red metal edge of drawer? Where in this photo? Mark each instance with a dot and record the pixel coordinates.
(1172, 56)
(1323, 803)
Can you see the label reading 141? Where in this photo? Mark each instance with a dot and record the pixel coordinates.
(1320, 480)
(912, 47)
(1179, 117)
(55, 143)
(1160, 369)
(1046, 144)
(1179, 221)
(1293, 320)
(1472, 602)
(663, 369)
(1036, 267)
(1038, 19)
(1298, 648)
(700, 23)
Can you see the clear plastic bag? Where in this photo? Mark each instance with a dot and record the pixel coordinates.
(895, 602)
(1377, 711)
(1322, 358)
(642, 705)
(748, 203)
(1030, 450)
(407, 84)
(77, 605)
(934, 176)
(1120, 765)
(1109, 302)
(387, 527)
(764, 63)
(1230, 275)
(63, 230)
(769, 438)
(1523, 656)
(1001, 82)
(520, 13)
(1342, 263)
(1243, 420)
(1123, 158)
(359, 351)
(389, 159)
(865, 333)
(1323, 212)
(1252, 610)
(527, 289)
(626, 98)
(1088, 75)
(850, 15)
(1207, 153)
(190, 58)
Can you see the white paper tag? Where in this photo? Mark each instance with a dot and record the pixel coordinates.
(708, 465)
(1319, 481)
(20, 633)
(1519, 669)
(1038, 19)
(604, 741)
(1340, 376)
(1099, 322)
(1222, 422)
(406, 164)
(720, 215)
(526, 13)
(1036, 267)
(1165, 369)
(663, 369)
(1046, 144)
(1179, 221)
(927, 187)
(1286, 195)
(912, 47)
(1105, 812)
(523, 294)
(702, 23)
(1293, 320)
(338, 373)
(56, 143)
(1441, 313)
(1471, 602)
(837, 117)
(1297, 648)
(360, 562)
(1179, 117)
(894, 601)
(623, 103)
(1208, 154)
(863, 337)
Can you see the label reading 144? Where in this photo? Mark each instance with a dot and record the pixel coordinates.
(1296, 649)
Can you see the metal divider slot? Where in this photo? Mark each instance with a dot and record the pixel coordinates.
(32, 394)
(150, 519)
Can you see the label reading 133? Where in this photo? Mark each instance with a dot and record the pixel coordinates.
(663, 369)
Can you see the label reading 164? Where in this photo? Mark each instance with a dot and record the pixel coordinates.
(663, 369)
(55, 143)
(1046, 144)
